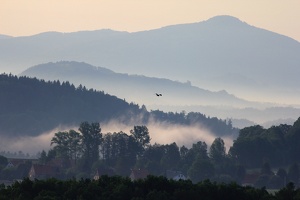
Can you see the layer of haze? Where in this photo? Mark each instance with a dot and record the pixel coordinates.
(166, 133)
(161, 133)
(19, 18)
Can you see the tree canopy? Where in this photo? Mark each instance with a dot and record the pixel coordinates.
(150, 188)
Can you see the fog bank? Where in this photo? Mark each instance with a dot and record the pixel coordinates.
(161, 133)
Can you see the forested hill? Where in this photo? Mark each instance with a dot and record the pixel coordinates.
(29, 106)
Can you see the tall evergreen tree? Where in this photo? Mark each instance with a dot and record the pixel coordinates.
(217, 151)
(91, 140)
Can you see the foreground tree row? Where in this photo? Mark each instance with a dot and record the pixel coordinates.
(150, 188)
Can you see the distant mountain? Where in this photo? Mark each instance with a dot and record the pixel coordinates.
(288, 121)
(247, 116)
(136, 88)
(220, 53)
(4, 36)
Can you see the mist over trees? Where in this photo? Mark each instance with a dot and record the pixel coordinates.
(122, 152)
(85, 151)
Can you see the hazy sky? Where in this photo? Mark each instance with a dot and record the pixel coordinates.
(28, 17)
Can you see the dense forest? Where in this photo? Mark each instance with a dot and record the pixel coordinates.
(32, 106)
(278, 145)
(151, 188)
(274, 150)
(29, 106)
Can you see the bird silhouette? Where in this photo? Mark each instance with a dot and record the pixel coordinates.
(158, 94)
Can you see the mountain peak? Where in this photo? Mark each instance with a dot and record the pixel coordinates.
(5, 36)
(66, 67)
(225, 19)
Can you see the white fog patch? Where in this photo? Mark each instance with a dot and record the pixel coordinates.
(30, 144)
(167, 133)
(164, 133)
(160, 132)
(115, 126)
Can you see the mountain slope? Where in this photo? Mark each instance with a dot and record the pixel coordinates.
(31, 107)
(139, 89)
(220, 53)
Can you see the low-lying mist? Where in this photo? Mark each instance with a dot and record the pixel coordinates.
(166, 133)
(160, 132)
(29, 144)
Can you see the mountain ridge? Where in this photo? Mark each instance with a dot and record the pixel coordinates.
(5, 36)
(205, 53)
(120, 84)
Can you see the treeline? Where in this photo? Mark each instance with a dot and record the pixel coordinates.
(81, 153)
(277, 145)
(217, 126)
(29, 107)
(274, 150)
(152, 187)
(91, 150)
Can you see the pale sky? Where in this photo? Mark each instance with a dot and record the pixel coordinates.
(29, 17)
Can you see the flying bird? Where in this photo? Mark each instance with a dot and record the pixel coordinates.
(158, 94)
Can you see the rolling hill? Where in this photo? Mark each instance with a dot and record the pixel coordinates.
(176, 97)
(136, 88)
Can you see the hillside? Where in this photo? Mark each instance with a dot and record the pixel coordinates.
(174, 92)
(177, 96)
(30, 107)
(222, 53)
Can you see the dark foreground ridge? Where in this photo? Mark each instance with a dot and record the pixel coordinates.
(150, 188)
